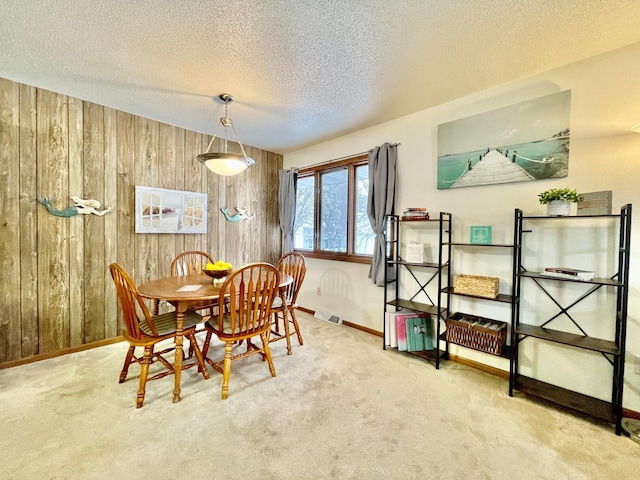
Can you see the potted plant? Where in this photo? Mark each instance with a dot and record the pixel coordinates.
(559, 200)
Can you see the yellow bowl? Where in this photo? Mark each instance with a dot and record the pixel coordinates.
(217, 273)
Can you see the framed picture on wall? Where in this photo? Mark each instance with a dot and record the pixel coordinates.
(518, 143)
(159, 210)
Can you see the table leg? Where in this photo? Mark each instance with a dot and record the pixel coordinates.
(180, 309)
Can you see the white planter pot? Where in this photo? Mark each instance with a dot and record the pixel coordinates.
(558, 208)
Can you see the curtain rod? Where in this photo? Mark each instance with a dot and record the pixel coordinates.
(346, 156)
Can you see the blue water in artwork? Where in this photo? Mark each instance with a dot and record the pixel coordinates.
(450, 167)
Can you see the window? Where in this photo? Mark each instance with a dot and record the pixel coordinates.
(331, 211)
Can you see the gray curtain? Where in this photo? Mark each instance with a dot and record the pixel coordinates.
(287, 206)
(382, 186)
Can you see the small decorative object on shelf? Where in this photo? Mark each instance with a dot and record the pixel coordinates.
(559, 200)
(595, 203)
(415, 252)
(480, 235)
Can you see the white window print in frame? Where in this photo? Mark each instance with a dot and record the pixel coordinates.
(517, 143)
(159, 210)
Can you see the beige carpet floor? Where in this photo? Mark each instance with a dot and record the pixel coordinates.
(339, 408)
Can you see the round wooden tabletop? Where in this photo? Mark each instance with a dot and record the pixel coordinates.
(189, 287)
(181, 288)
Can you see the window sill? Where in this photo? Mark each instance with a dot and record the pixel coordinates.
(339, 257)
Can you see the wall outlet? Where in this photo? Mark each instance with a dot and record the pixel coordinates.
(317, 290)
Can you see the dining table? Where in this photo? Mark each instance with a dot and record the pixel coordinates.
(184, 292)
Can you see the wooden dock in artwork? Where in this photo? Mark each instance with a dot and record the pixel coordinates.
(494, 167)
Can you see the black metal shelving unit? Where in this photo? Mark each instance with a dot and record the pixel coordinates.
(429, 303)
(613, 350)
(509, 298)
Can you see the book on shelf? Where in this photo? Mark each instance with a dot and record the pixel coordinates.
(414, 213)
(571, 273)
(418, 331)
(415, 209)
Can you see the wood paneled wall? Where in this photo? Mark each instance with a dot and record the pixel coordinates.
(55, 289)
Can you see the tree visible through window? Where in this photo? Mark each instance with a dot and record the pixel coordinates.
(331, 211)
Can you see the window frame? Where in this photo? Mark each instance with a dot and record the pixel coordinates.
(351, 163)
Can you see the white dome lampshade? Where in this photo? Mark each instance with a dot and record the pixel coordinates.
(225, 163)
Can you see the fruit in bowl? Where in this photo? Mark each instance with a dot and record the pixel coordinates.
(219, 269)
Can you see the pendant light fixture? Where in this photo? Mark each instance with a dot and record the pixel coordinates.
(225, 163)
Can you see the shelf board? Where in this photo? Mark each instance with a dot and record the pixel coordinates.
(568, 217)
(461, 244)
(414, 264)
(578, 341)
(576, 401)
(416, 306)
(593, 281)
(429, 355)
(419, 220)
(504, 298)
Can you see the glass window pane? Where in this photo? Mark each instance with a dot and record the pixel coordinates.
(305, 205)
(364, 236)
(333, 214)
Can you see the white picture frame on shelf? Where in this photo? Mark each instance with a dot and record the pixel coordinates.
(415, 252)
(595, 203)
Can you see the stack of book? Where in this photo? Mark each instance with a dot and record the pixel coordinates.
(415, 213)
(408, 331)
(569, 273)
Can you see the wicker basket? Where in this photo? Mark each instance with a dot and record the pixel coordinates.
(476, 332)
(476, 285)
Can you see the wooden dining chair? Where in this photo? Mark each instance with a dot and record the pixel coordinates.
(145, 330)
(193, 262)
(190, 262)
(293, 264)
(251, 291)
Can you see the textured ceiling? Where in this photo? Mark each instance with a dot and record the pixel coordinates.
(301, 71)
